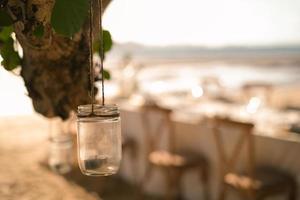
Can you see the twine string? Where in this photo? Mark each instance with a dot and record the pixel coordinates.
(101, 50)
(92, 72)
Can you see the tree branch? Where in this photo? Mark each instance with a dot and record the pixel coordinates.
(105, 3)
(57, 77)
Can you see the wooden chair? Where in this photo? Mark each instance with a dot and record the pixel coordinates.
(173, 163)
(255, 183)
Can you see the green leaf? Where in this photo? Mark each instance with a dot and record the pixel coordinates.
(106, 74)
(5, 33)
(5, 19)
(11, 58)
(68, 16)
(39, 31)
(107, 41)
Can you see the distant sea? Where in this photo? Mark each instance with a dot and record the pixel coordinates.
(272, 55)
(279, 65)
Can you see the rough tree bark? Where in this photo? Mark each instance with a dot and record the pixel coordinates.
(54, 68)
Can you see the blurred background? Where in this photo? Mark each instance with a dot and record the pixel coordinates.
(236, 41)
(199, 59)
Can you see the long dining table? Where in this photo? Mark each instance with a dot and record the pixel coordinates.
(274, 144)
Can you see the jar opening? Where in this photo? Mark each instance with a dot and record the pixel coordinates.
(99, 110)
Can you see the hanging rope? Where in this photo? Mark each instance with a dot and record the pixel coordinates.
(101, 50)
(92, 71)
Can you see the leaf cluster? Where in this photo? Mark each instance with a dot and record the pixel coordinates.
(10, 56)
(67, 18)
(107, 45)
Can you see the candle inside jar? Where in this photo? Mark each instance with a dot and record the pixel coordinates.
(62, 168)
(99, 166)
(95, 163)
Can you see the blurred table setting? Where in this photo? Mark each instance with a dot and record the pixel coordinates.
(192, 99)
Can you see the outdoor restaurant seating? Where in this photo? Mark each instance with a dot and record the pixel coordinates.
(149, 100)
(257, 182)
(173, 163)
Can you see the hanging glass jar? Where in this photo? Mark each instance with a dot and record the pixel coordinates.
(99, 139)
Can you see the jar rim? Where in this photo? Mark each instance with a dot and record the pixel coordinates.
(99, 110)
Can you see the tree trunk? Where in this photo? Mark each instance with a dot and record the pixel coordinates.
(54, 68)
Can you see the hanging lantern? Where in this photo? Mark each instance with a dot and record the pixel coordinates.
(99, 139)
(98, 126)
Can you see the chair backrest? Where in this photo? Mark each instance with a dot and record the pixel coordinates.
(229, 161)
(157, 122)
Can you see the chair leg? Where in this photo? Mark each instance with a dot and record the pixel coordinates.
(222, 192)
(173, 178)
(137, 184)
(252, 195)
(177, 186)
(169, 182)
(292, 191)
(144, 181)
(204, 177)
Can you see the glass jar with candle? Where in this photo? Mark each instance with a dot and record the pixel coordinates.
(60, 158)
(99, 139)
(60, 146)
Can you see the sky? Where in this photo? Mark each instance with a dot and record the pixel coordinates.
(205, 22)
